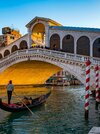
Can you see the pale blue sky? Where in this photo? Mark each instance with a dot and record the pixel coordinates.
(79, 13)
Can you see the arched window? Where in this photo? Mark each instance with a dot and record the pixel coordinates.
(55, 42)
(96, 48)
(38, 34)
(68, 44)
(7, 52)
(14, 48)
(23, 45)
(1, 56)
(83, 46)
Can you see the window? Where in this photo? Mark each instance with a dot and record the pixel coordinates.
(12, 37)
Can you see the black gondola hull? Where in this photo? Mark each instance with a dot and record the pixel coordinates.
(35, 102)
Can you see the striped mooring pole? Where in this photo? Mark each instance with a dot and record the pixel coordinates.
(97, 86)
(87, 88)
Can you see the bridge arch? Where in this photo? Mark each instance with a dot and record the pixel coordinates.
(55, 42)
(6, 53)
(1, 56)
(96, 48)
(35, 72)
(68, 64)
(38, 34)
(55, 66)
(23, 44)
(14, 48)
(83, 46)
(68, 44)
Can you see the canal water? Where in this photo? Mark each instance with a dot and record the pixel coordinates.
(63, 113)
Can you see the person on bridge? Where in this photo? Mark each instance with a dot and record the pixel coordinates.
(10, 88)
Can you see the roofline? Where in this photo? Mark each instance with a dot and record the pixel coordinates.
(69, 28)
(42, 18)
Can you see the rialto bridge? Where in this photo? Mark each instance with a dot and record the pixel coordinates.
(48, 48)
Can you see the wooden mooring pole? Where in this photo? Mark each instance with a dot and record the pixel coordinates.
(97, 86)
(87, 89)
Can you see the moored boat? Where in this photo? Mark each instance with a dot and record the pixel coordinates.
(16, 107)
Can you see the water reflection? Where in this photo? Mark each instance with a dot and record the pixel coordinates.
(63, 113)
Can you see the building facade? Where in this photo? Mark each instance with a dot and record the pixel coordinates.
(63, 78)
(8, 36)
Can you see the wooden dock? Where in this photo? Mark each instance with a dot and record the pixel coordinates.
(94, 130)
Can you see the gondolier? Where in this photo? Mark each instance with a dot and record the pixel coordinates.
(10, 88)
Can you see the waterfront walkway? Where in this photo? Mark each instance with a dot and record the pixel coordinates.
(94, 130)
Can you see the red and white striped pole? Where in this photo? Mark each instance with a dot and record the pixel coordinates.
(87, 88)
(97, 86)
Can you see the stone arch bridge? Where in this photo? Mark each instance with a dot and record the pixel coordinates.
(47, 48)
(47, 62)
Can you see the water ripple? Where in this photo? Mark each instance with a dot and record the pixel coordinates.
(63, 113)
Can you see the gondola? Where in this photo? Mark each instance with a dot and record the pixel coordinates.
(15, 107)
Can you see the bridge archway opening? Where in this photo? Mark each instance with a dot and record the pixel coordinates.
(63, 78)
(83, 46)
(38, 35)
(6, 53)
(55, 42)
(14, 48)
(68, 44)
(34, 72)
(1, 56)
(23, 45)
(96, 48)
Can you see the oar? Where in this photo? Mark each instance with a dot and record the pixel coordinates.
(24, 104)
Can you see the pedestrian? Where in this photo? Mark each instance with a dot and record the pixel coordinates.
(10, 88)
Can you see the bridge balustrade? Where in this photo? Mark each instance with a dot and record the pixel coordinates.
(96, 60)
(51, 53)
